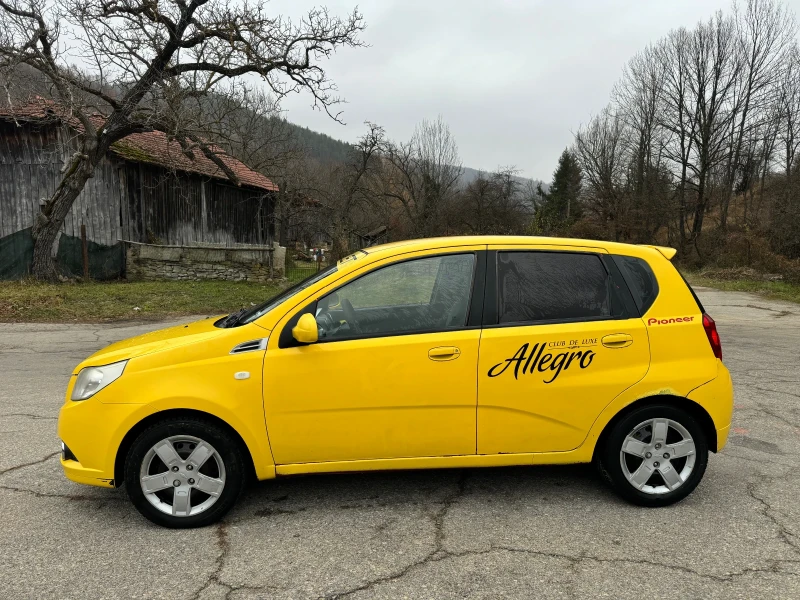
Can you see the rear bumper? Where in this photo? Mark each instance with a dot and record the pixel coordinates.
(716, 397)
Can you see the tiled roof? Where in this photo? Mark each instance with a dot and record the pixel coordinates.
(152, 147)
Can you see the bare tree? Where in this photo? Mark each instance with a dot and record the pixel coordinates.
(765, 32)
(600, 148)
(788, 99)
(424, 174)
(713, 71)
(248, 124)
(493, 203)
(147, 57)
(354, 199)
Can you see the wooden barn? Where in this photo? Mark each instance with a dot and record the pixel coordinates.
(145, 190)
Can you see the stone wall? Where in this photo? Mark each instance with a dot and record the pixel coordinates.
(193, 263)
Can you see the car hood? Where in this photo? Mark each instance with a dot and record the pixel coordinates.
(153, 341)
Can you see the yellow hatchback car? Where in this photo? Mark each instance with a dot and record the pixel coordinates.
(451, 352)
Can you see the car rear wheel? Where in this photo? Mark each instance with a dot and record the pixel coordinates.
(654, 456)
(184, 473)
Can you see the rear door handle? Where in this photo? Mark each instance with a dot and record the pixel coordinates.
(443, 353)
(617, 340)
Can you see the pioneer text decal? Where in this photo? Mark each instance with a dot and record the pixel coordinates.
(652, 321)
(545, 356)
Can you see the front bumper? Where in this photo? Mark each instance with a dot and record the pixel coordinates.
(93, 432)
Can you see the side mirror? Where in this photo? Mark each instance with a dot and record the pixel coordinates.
(306, 331)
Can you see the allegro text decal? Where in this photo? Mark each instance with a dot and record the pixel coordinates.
(535, 361)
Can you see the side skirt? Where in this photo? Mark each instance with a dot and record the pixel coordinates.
(579, 455)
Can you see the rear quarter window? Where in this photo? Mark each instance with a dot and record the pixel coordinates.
(640, 279)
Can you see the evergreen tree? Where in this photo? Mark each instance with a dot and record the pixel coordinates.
(560, 206)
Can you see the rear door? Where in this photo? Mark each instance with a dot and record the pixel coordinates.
(561, 339)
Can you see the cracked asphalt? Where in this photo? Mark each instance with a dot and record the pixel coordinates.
(539, 532)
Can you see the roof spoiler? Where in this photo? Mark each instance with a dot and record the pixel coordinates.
(665, 250)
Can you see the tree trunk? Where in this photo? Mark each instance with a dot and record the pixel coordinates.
(700, 210)
(51, 218)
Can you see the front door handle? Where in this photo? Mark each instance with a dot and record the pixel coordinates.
(442, 353)
(617, 340)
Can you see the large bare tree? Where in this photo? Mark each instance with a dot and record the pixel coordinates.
(424, 174)
(143, 60)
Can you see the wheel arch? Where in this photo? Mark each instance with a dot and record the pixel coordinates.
(176, 413)
(690, 406)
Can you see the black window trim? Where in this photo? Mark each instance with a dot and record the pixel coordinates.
(286, 339)
(491, 312)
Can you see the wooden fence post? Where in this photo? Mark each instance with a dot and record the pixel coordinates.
(85, 246)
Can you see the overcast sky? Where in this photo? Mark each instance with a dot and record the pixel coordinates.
(513, 79)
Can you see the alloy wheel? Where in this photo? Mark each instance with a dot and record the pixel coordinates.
(182, 475)
(658, 456)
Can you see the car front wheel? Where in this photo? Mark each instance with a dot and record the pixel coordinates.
(654, 456)
(184, 472)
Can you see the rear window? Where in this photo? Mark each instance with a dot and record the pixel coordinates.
(640, 279)
(551, 286)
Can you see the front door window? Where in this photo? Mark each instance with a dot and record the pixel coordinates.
(415, 296)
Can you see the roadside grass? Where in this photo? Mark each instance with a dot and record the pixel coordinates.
(31, 301)
(778, 290)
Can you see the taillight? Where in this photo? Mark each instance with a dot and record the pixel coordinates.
(713, 336)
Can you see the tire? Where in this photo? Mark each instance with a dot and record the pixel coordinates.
(641, 474)
(200, 456)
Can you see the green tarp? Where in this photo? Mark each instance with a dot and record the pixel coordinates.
(16, 255)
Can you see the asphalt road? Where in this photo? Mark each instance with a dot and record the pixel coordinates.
(544, 532)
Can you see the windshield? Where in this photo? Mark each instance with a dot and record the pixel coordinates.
(256, 312)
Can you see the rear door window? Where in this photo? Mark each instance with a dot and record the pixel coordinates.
(553, 286)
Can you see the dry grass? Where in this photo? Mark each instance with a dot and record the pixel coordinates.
(30, 301)
(764, 286)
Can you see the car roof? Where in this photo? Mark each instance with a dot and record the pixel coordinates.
(472, 240)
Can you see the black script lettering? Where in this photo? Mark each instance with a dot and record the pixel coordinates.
(572, 356)
(533, 351)
(518, 357)
(545, 360)
(535, 360)
(558, 364)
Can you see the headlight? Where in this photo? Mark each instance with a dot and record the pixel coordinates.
(93, 379)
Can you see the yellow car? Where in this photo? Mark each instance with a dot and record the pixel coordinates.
(451, 352)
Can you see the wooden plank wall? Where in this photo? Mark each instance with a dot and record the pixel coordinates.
(125, 200)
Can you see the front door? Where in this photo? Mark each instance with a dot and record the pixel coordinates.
(562, 343)
(393, 374)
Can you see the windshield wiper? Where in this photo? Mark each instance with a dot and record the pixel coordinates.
(232, 319)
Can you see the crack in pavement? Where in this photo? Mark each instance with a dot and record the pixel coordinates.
(768, 511)
(437, 553)
(780, 313)
(784, 392)
(774, 566)
(728, 454)
(224, 546)
(214, 578)
(30, 464)
(30, 416)
(73, 497)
